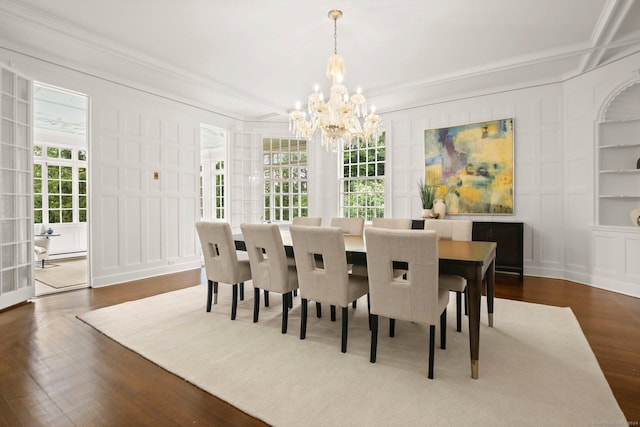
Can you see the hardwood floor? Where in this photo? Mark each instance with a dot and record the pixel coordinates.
(57, 371)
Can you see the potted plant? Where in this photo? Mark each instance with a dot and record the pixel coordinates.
(427, 195)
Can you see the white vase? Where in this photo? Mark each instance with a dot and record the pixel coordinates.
(439, 208)
(427, 213)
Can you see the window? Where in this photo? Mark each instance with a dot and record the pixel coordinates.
(213, 151)
(285, 170)
(59, 184)
(362, 183)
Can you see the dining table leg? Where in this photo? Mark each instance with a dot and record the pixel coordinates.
(474, 289)
(490, 277)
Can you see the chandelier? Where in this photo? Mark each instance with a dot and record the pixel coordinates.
(344, 118)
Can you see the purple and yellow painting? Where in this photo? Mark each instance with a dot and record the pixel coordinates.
(472, 166)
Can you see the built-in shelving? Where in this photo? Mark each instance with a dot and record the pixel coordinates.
(618, 173)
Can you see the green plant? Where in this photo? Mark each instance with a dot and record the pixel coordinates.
(427, 194)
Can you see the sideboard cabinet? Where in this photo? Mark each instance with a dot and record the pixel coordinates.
(510, 239)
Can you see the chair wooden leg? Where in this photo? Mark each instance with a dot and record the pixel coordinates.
(285, 311)
(290, 299)
(354, 303)
(256, 304)
(295, 292)
(318, 310)
(303, 319)
(209, 294)
(241, 291)
(432, 339)
(459, 311)
(215, 292)
(345, 327)
(369, 310)
(266, 298)
(374, 337)
(392, 327)
(443, 329)
(42, 263)
(333, 313)
(234, 302)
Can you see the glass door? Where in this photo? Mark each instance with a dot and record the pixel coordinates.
(16, 202)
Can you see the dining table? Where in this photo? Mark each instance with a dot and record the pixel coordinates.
(473, 260)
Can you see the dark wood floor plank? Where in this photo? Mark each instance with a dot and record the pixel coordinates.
(57, 371)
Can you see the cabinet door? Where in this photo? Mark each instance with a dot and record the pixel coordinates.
(509, 238)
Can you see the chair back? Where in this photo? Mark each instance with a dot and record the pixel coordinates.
(451, 229)
(307, 220)
(393, 223)
(324, 281)
(219, 251)
(416, 298)
(353, 226)
(41, 248)
(269, 269)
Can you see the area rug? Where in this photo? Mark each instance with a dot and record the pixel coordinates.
(64, 273)
(536, 367)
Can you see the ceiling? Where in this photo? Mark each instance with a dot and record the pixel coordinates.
(253, 59)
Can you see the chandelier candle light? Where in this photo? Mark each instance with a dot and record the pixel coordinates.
(339, 118)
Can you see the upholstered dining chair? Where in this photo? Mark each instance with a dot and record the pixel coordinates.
(391, 223)
(416, 298)
(352, 226)
(327, 282)
(307, 220)
(269, 267)
(221, 261)
(41, 249)
(453, 229)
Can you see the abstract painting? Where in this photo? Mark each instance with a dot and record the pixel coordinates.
(472, 166)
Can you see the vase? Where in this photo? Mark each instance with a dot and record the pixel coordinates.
(439, 208)
(427, 213)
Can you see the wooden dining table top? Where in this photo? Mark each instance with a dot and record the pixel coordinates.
(452, 250)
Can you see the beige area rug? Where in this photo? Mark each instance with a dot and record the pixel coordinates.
(536, 367)
(63, 273)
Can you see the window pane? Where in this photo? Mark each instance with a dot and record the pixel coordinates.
(37, 217)
(54, 202)
(53, 172)
(54, 186)
(37, 201)
(53, 152)
(67, 215)
(37, 170)
(66, 187)
(66, 172)
(82, 155)
(83, 215)
(67, 202)
(37, 151)
(82, 201)
(65, 154)
(54, 216)
(82, 174)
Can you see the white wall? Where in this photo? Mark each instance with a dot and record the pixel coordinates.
(610, 256)
(138, 227)
(141, 227)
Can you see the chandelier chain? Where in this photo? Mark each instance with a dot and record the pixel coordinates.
(335, 35)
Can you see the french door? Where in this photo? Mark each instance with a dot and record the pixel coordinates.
(16, 195)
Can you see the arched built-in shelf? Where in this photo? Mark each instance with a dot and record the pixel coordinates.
(619, 157)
